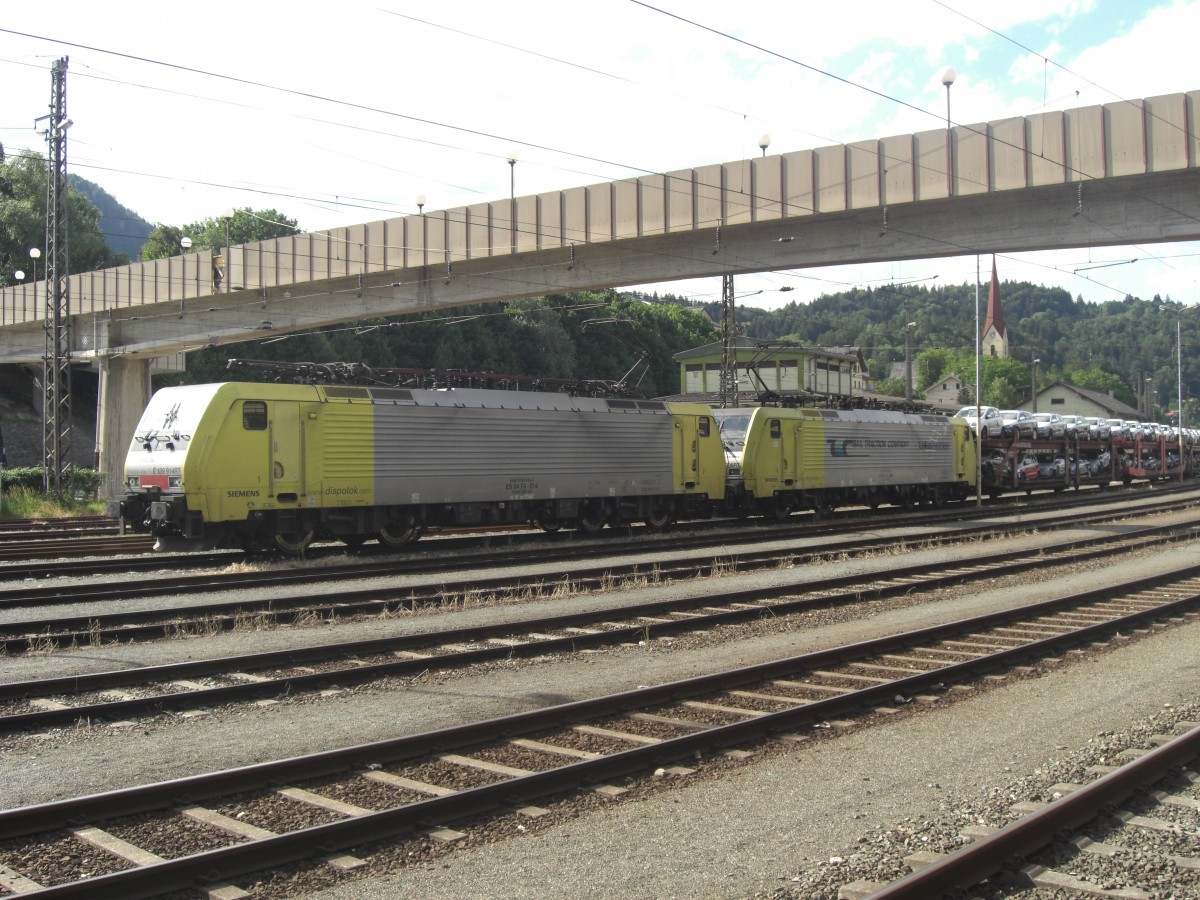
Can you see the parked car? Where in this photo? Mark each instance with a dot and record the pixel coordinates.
(1028, 469)
(1017, 422)
(1116, 427)
(992, 423)
(1076, 425)
(1055, 470)
(1098, 429)
(1050, 426)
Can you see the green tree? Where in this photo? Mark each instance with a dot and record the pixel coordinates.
(1096, 379)
(245, 227)
(23, 182)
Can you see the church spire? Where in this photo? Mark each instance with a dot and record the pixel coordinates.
(994, 340)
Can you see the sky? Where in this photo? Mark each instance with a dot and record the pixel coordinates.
(338, 114)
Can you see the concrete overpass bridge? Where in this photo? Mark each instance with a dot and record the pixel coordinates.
(1118, 173)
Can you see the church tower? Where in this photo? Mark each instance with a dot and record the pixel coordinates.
(994, 341)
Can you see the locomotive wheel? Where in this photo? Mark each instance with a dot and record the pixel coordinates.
(550, 525)
(659, 516)
(294, 544)
(591, 517)
(781, 509)
(399, 533)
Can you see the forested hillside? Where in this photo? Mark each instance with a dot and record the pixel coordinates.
(1108, 346)
(124, 230)
(589, 335)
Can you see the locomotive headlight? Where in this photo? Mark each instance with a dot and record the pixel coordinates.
(175, 481)
(133, 482)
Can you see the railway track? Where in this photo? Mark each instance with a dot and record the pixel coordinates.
(46, 633)
(197, 684)
(214, 829)
(1122, 805)
(30, 561)
(18, 529)
(81, 545)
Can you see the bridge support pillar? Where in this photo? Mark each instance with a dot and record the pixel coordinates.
(124, 393)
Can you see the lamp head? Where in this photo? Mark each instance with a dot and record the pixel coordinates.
(35, 253)
(949, 76)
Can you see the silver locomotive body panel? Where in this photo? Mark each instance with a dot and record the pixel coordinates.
(876, 448)
(483, 446)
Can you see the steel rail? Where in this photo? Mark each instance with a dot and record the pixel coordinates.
(847, 521)
(21, 636)
(78, 593)
(117, 709)
(56, 814)
(81, 545)
(229, 862)
(977, 861)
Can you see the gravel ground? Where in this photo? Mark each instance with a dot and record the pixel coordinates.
(799, 824)
(749, 832)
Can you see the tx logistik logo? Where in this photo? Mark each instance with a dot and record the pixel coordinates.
(842, 448)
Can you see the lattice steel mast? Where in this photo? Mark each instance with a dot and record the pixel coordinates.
(56, 366)
(729, 391)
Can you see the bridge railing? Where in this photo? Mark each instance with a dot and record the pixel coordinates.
(1113, 140)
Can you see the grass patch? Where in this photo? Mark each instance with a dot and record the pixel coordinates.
(26, 503)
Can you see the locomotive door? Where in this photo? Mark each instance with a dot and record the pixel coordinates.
(287, 452)
(687, 444)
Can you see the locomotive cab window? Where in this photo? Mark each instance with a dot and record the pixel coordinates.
(254, 415)
(704, 426)
(776, 431)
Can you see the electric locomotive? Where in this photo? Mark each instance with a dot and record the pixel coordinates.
(782, 460)
(263, 466)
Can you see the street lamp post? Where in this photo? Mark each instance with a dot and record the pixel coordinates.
(948, 78)
(908, 361)
(228, 216)
(1033, 385)
(512, 201)
(35, 255)
(1179, 387)
(1179, 380)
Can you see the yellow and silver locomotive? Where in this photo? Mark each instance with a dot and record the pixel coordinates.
(264, 466)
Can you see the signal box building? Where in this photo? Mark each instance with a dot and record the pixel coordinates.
(820, 370)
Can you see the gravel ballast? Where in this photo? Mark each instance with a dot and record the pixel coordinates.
(795, 824)
(763, 823)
